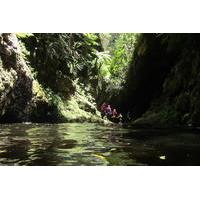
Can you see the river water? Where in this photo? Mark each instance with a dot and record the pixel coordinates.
(95, 144)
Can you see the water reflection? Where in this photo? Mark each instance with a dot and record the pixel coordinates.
(93, 144)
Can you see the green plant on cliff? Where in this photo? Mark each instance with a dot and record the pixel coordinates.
(62, 56)
(122, 53)
(113, 62)
(66, 67)
(163, 85)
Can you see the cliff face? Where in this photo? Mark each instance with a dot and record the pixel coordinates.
(163, 82)
(15, 80)
(23, 98)
(162, 86)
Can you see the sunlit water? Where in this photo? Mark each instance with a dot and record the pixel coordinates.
(94, 144)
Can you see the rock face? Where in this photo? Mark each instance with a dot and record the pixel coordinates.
(163, 86)
(15, 80)
(22, 98)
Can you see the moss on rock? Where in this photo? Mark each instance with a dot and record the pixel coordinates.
(23, 98)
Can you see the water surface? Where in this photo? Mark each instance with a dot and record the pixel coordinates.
(94, 144)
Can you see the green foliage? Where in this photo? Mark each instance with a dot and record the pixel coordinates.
(122, 53)
(103, 61)
(23, 35)
(113, 61)
(69, 53)
(120, 47)
(59, 58)
(91, 39)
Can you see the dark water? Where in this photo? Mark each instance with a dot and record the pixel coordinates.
(93, 144)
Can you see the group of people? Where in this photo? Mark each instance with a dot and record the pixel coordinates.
(110, 113)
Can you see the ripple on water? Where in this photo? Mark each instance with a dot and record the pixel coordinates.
(95, 144)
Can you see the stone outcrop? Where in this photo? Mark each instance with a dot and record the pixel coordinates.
(15, 80)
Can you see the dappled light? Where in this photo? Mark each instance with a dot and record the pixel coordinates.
(99, 98)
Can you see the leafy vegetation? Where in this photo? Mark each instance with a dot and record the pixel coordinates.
(59, 59)
(67, 67)
(153, 76)
(121, 50)
(113, 62)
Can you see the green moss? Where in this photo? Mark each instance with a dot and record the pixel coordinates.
(77, 108)
(166, 117)
(182, 102)
(71, 111)
(24, 52)
(38, 91)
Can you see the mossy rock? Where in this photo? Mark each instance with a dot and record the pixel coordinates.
(161, 119)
